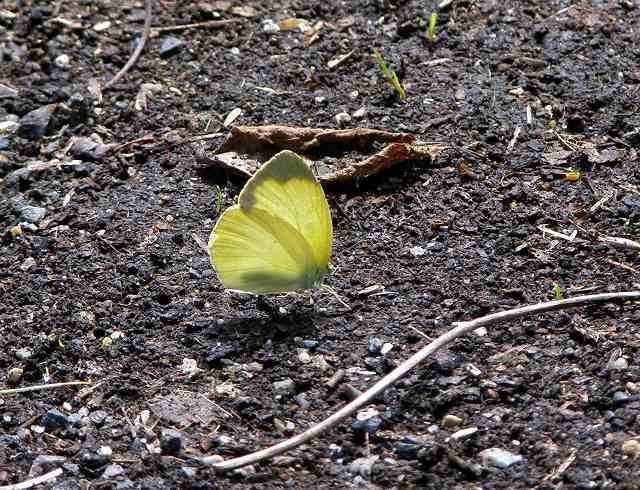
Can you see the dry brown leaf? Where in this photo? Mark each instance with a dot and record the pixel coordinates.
(268, 140)
(261, 142)
(294, 23)
(389, 156)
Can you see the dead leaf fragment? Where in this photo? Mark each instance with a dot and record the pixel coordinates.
(89, 148)
(244, 11)
(294, 23)
(146, 89)
(313, 34)
(337, 61)
(389, 156)
(232, 116)
(230, 162)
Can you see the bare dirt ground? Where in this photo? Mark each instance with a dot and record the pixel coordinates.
(538, 104)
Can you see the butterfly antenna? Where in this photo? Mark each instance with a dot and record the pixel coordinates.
(330, 290)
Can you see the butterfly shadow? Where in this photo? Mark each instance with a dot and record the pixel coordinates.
(278, 318)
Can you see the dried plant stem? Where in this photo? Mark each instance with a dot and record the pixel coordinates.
(462, 328)
(51, 386)
(146, 31)
(34, 481)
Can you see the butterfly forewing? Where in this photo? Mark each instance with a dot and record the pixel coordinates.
(286, 187)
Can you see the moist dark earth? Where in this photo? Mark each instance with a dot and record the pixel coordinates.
(105, 280)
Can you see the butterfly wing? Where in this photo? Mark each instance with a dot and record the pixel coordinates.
(278, 237)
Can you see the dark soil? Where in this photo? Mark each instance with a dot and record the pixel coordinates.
(115, 256)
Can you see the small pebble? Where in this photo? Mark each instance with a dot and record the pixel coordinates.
(105, 451)
(102, 26)
(269, 26)
(14, 376)
(633, 387)
(46, 460)
(620, 364)
(370, 425)
(360, 113)
(363, 466)
(98, 417)
(472, 370)
(170, 46)
(92, 462)
(34, 124)
(499, 458)
(310, 344)
(8, 127)
(631, 447)
(32, 214)
(463, 434)
(285, 386)
(374, 345)
(171, 442)
(620, 397)
(113, 471)
(407, 451)
(335, 451)
(449, 421)
(24, 353)
(63, 61)
(417, 251)
(54, 419)
(187, 472)
(343, 119)
(304, 357)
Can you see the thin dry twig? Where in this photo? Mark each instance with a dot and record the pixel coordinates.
(562, 468)
(566, 142)
(34, 481)
(623, 266)
(461, 329)
(512, 143)
(51, 386)
(620, 242)
(146, 31)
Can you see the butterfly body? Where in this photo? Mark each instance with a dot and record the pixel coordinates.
(278, 237)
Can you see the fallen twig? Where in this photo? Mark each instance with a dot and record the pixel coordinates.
(461, 329)
(562, 468)
(51, 386)
(146, 30)
(623, 266)
(512, 143)
(34, 481)
(620, 242)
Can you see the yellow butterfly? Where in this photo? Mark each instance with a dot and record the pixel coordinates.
(278, 237)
